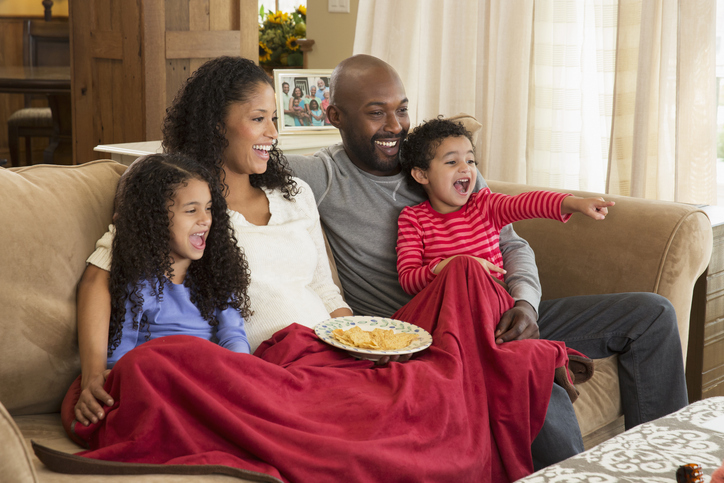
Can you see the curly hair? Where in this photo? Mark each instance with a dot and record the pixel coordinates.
(418, 149)
(195, 124)
(141, 251)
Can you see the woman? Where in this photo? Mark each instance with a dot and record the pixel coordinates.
(297, 103)
(231, 130)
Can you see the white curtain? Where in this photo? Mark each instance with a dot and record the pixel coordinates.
(570, 108)
(598, 95)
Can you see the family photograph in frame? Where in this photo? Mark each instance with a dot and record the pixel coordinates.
(302, 100)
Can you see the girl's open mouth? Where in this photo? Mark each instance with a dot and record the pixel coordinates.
(198, 240)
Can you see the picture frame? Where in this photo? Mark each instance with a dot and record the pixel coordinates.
(302, 117)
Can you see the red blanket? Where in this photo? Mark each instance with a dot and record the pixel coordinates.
(463, 410)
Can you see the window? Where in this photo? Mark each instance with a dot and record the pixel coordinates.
(281, 5)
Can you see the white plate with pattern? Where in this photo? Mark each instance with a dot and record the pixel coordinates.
(324, 331)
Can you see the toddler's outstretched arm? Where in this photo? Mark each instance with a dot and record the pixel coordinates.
(596, 208)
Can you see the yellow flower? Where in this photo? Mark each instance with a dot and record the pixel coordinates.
(264, 52)
(292, 43)
(302, 10)
(278, 17)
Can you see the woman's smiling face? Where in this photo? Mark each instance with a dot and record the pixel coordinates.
(251, 131)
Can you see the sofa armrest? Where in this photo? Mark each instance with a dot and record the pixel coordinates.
(641, 246)
(16, 462)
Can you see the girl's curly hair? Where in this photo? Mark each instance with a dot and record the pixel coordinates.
(141, 251)
(418, 149)
(195, 124)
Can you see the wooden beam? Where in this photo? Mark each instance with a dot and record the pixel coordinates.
(106, 44)
(249, 31)
(154, 67)
(197, 44)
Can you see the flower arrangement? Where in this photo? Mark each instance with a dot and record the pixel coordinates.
(278, 35)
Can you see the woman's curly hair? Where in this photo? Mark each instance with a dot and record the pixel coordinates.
(418, 149)
(141, 248)
(195, 124)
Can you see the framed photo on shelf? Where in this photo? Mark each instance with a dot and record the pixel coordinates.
(302, 100)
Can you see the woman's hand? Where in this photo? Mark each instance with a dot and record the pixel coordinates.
(385, 359)
(341, 312)
(87, 409)
(596, 208)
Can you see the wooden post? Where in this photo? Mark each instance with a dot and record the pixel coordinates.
(249, 31)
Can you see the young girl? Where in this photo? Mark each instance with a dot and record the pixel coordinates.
(316, 113)
(161, 283)
(439, 157)
(176, 267)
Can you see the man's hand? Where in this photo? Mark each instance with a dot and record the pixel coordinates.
(87, 409)
(520, 322)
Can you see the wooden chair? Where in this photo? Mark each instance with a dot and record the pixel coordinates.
(44, 44)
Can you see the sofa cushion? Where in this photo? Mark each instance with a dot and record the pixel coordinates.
(54, 215)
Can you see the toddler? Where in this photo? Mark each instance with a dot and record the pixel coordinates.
(438, 156)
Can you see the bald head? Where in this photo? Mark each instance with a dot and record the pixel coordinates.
(369, 107)
(356, 71)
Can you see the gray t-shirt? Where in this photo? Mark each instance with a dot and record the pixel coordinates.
(359, 214)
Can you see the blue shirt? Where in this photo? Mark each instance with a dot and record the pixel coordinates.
(175, 314)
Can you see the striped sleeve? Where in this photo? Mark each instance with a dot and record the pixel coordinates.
(505, 209)
(413, 275)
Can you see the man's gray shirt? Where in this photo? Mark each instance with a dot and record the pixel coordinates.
(359, 214)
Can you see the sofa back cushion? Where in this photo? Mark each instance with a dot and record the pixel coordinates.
(52, 216)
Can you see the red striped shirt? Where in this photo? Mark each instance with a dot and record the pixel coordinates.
(426, 237)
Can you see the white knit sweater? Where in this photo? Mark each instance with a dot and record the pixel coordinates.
(290, 276)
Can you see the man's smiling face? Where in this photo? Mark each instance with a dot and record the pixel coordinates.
(372, 118)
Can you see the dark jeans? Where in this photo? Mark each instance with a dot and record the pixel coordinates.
(639, 327)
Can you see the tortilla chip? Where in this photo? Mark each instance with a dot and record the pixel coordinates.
(377, 339)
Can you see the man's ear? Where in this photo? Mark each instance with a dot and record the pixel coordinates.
(420, 175)
(334, 115)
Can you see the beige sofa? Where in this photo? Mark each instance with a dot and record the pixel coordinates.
(52, 216)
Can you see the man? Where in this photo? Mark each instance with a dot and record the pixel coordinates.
(288, 119)
(321, 89)
(360, 192)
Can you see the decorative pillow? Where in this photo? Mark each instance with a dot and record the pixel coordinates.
(52, 217)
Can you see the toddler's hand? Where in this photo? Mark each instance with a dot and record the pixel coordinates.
(596, 208)
(489, 266)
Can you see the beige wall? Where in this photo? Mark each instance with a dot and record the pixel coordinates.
(333, 34)
(32, 8)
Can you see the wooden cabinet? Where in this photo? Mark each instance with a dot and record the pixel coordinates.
(128, 60)
(705, 358)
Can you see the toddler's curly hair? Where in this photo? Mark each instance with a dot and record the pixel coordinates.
(195, 124)
(141, 250)
(418, 149)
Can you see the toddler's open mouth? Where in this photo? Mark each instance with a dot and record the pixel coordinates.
(462, 185)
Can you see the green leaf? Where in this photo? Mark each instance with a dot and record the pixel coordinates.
(295, 59)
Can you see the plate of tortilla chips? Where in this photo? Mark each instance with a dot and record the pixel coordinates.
(373, 337)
